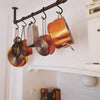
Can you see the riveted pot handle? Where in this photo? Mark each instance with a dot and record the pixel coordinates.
(68, 45)
(59, 15)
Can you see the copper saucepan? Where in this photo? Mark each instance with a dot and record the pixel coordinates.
(44, 44)
(15, 56)
(26, 51)
(16, 61)
(60, 33)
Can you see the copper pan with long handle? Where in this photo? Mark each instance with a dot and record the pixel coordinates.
(44, 44)
(14, 55)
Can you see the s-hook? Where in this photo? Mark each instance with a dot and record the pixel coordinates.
(24, 23)
(44, 14)
(32, 22)
(60, 9)
(17, 26)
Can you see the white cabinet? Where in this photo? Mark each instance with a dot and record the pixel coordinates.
(94, 32)
(94, 39)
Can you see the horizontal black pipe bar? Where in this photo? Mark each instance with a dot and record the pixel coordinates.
(37, 12)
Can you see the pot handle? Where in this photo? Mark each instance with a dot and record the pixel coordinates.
(68, 45)
(59, 15)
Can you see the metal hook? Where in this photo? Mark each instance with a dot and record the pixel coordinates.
(34, 19)
(60, 9)
(25, 24)
(17, 26)
(44, 14)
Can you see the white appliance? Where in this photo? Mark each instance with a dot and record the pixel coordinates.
(94, 32)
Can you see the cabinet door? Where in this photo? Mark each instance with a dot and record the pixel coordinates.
(94, 39)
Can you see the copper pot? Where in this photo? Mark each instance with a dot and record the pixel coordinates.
(15, 54)
(44, 45)
(26, 51)
(60, 33)
(16, 61)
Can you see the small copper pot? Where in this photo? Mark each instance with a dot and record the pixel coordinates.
(26, 51)
(60, 33)
(16, 61)
(15, 54)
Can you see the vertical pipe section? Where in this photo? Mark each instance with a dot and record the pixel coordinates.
(15, 9)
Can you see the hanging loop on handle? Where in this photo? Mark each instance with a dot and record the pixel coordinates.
(23, 32)
(17, 38)
(59, 15)
(23, 29)
(44, 23)
(43, 26)
(16, 32)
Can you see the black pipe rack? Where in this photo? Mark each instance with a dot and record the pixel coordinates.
(37, 12)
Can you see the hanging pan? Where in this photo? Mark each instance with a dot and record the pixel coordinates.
(60, 32)
(14, 55)
(44, 44)
(26, 51)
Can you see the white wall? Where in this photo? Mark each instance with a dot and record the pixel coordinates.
(3, 52)
(74, 13)
(34, 81)
(72, 88)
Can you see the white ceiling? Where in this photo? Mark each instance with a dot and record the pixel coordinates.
(22, 3)
(25, 6)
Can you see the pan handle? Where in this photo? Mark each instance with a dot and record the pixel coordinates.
(68, 45)
(33, 45)
(98, 30)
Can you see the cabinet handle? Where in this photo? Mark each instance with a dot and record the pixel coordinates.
(98, 30)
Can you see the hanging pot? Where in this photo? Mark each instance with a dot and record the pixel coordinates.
(14, 55)
(16, 61)
(26, 51)
(44, 45)
(60, 33)
(17, 48)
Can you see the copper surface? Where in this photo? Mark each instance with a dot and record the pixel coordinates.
(26, 51)
(50, 43)
(60, 33)
(44, 45)
(16, 61)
